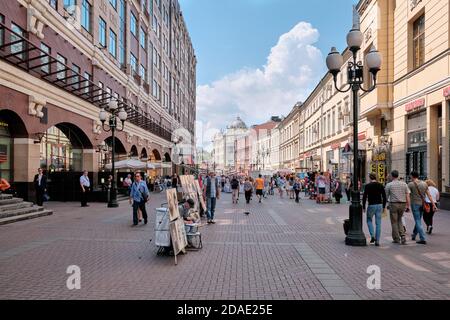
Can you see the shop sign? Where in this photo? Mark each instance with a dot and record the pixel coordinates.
(3, 124)
(381, 173)
(335, 146)
(379, 157)
(373, 168)
(447, 93)
(362, 136)
(3, 153)
(415, 105)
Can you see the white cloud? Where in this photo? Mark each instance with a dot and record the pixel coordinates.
(293, 68)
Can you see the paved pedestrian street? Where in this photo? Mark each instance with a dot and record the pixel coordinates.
(282, 250)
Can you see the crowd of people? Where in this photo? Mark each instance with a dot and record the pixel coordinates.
(421, 198)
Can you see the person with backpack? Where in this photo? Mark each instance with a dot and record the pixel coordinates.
(235, 189)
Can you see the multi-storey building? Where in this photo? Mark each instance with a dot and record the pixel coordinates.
(289, 139)
(226, 145)
(421, 77)
(62, 61)
(261, 145)
(325, 123)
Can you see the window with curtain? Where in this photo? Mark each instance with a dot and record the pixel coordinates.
(419, 41)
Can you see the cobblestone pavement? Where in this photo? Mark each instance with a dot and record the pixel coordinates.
(282, 250)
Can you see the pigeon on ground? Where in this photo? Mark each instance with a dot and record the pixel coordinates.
(247, 213)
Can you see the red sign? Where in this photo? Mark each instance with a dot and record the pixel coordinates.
(335, 146)
(362, 136)
(415, 105)
(447, 92)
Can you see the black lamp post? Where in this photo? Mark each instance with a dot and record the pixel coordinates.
(112, 113)
(355, 74)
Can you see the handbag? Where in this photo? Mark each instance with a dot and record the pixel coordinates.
(426, 206)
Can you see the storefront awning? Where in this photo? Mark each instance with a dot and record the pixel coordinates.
(130, 164)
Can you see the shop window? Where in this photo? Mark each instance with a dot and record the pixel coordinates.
(5, 151)
(57, 153)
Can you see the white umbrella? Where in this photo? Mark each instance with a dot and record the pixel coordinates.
(162, 165)
(127, 164)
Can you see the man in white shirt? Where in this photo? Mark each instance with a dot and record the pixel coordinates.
(85, 188)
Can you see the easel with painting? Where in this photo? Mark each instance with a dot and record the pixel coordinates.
(177, 231)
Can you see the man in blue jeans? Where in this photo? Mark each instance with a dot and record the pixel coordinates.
(138, 198)
(375, 193)
(211, 194)
(419, 190)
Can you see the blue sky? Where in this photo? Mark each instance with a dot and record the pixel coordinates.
(260, 55)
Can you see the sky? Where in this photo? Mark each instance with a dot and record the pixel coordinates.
(258, 58)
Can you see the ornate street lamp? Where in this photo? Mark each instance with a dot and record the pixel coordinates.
(355, 74)
(111, 114)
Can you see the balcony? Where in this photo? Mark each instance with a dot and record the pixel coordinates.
(23, 54)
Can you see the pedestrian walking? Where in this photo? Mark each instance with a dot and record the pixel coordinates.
(419, 189)
(297, 187)
(139, 196)
(127, 182)
(375, 195)
(248, 189)
(337, 191)
(321, 184)
(235, 189)
(85, 185)
(348, 188)
(398, 195)
(259, 186)
(175, 181)
(211, 194)
(435, 197)
(40, 185)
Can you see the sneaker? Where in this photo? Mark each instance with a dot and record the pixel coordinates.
(403, 241)
(396, 241)
(377, 244)
(213, 222)
(421, 242)
(431, 230)
(413, 237)
(372, 240)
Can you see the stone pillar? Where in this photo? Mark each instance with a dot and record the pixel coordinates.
(433, 147)
(26, 163)
(445, 145)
